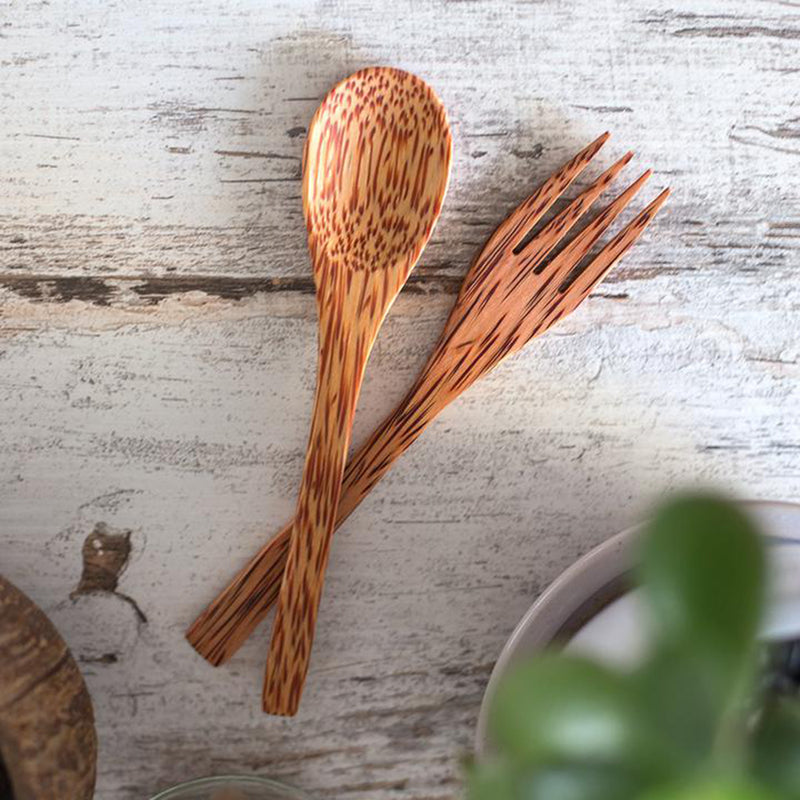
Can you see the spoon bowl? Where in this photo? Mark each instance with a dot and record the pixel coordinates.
(375, 170)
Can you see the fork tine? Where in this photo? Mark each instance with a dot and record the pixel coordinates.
(571, 255)
(596, 270)
(534, 251)
(562, 223)
(519, 222)
(530, 211)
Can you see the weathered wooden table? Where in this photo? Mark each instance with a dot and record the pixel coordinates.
(157, 341)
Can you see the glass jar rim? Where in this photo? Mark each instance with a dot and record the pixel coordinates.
(289, 792)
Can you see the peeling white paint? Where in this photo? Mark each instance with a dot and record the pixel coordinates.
(138, 145)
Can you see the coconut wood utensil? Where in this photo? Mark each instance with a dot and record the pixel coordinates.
(375, 171)
(509, 296)
(48, 744)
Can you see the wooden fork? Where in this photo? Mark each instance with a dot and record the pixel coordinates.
(510, 295)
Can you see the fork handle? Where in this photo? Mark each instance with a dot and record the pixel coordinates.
(236, 612)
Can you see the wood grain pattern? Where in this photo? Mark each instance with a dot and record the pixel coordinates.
(375, 171)
(48, 744)
(509, 296)
(157, 355)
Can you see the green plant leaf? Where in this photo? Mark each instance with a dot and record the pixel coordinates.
(776, 748)
(678, 694)
(581, 782)
(714, 790)
(498, 780)
(703, 569)
(493, 780)
(558, 708)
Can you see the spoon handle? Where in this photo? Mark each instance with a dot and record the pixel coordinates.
(352, 304)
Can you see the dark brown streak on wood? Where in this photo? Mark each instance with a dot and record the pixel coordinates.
(624, 274)
(740, 32)
(310, 755)
(153, 290)
(259, 180)
(51, 136)
(255, 154)
(423, 709)
(742, 140)
(783, 131)
(102, 292)
(203, 110)
(534, 154)
(106, 658)
(371, 786)
(105, 555)
(607, 109)
(764, 360)
(60, 290)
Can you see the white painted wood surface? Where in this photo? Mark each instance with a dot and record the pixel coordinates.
(157, 343)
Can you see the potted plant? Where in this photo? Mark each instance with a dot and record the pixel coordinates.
(706, 715)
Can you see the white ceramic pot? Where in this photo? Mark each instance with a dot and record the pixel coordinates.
(590, 609)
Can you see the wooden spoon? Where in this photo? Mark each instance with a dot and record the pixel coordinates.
(376, 165)
(509, 281)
